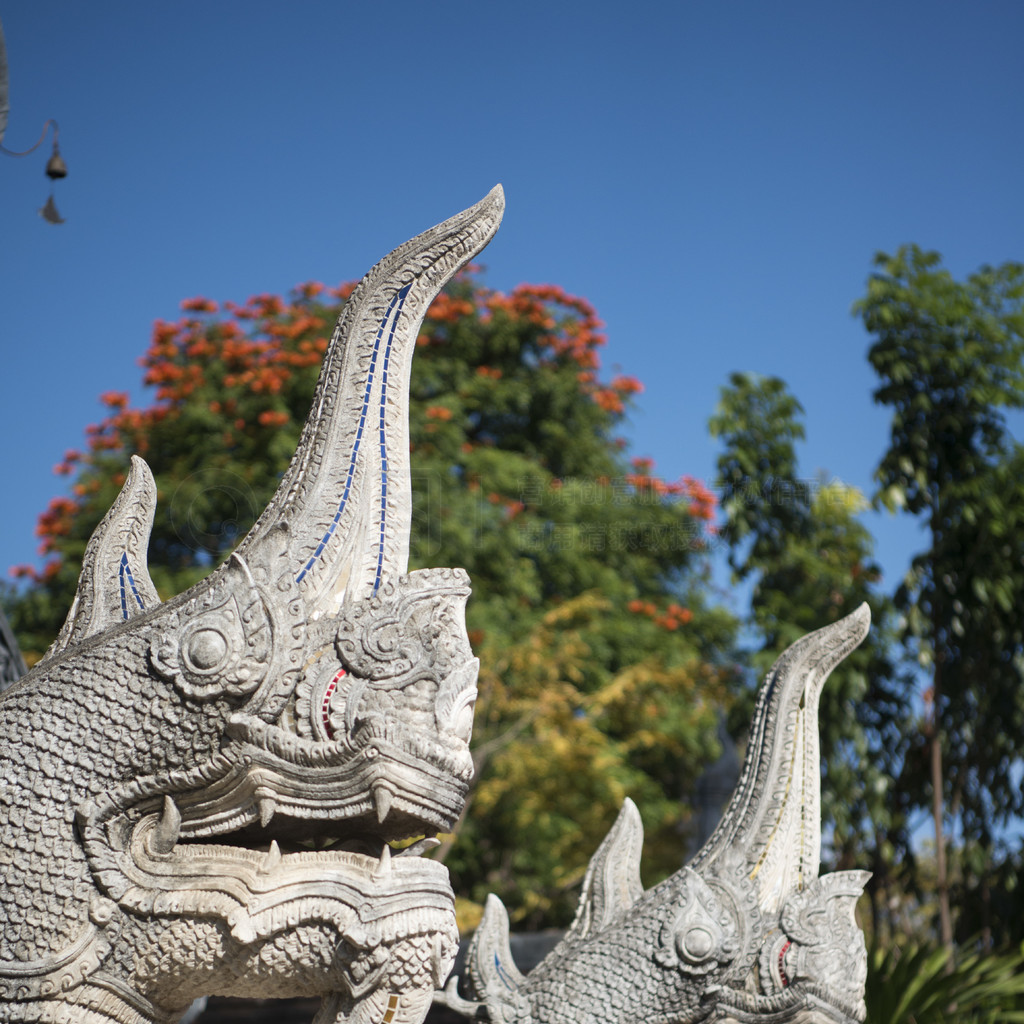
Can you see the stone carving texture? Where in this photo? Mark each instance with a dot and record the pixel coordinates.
(747, 931)
(197, 797)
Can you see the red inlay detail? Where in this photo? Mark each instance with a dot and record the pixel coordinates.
(325, 704)
(782, 970)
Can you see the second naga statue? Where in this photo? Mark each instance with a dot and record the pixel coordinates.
(747, 932)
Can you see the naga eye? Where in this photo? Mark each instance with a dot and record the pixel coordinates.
(206, 650)
(695, 944)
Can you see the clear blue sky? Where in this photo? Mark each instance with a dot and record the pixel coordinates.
(714, 177)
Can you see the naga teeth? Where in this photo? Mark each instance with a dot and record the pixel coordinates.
(382, 800)
(384, 867)
(267, 809)
(168, 828)
(273, 857)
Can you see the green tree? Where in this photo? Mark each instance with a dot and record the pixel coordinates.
(603, 662)
(918, 984)
(808, 558)
(950, 360)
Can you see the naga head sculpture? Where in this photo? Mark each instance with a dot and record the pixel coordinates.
(198, 795)
(746, 932)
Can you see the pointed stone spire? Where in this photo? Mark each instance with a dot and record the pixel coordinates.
(114, 583)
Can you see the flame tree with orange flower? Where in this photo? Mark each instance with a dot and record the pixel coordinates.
(603, 661)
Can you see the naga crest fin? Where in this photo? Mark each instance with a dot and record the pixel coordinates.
(489, 963)
(346, 494)
(773, 821)
(114, 583)
(612, 883)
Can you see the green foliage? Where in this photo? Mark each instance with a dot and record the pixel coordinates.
(950, 360)
(949, 357)
(915, 984)
(763, 498)
(518, 476)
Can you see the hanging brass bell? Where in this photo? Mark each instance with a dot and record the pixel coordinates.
(55, 166)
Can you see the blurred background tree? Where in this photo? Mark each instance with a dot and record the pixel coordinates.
(950, 360)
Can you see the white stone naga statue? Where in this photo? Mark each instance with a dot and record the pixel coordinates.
(166, 767)
(746, 932)
(197, 796)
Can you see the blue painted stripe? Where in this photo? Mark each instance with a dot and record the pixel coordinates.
(124, 575)
(384, 441)
(503, 974)
(394, 307)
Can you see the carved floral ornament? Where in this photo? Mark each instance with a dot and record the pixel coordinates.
(206, 806)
